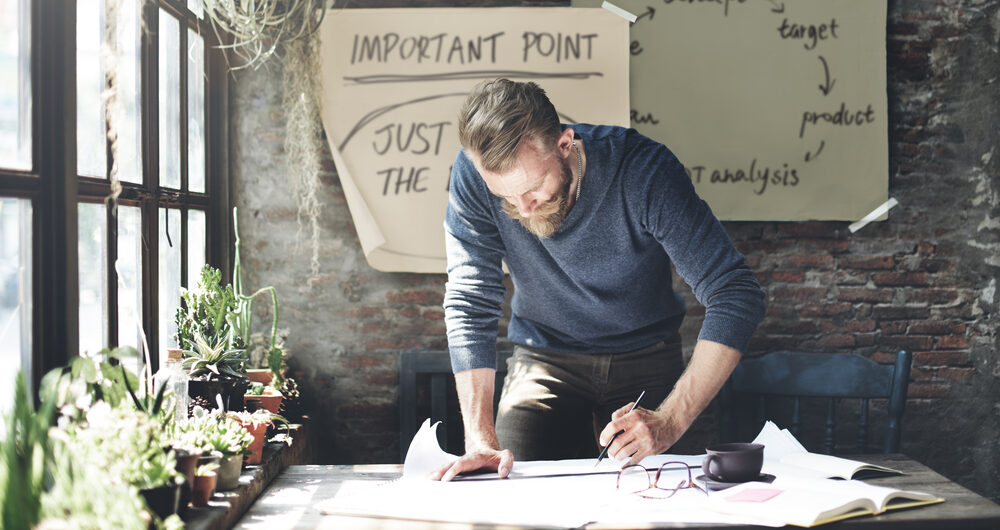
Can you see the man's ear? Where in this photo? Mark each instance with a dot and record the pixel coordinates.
(565, 142)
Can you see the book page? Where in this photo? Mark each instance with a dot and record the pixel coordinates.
(800, 502)
(832, 466)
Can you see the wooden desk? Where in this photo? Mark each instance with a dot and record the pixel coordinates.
(288, 502)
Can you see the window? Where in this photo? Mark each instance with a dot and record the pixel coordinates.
(146, 138)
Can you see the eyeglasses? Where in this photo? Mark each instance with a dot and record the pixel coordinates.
(636, 479)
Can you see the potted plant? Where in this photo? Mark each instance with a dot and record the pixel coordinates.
(225, 437)
(203, 487)
(216, 371)
(261, 396)
(257, 424)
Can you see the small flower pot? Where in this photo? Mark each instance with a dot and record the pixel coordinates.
(229, 472)
(186, 463)
(256, 448)
(260, 375)
(270, 400)
(204, 486)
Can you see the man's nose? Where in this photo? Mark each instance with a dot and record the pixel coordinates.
(525, 204)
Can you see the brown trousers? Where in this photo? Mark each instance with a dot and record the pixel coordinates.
(554, 405)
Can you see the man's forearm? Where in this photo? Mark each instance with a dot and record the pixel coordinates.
(475, 395)
(708, 370)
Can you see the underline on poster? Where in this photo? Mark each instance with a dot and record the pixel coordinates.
(473, 74)
(368, 118)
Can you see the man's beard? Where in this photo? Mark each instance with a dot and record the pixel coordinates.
(548, 217)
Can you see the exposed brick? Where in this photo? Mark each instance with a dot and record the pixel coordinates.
(375, 327)
(386, 379)
(935, 327)
(934, 296)
(918, 373)
(808, 262)
(885, 312)
(907, 342)
(788, 327)
(900, 278)
(936, 264)
(958, 375)
(798, 293)
(894, 327)
(860, 325)
(771, 277)
(951, 342)
(832, 309)
(415, 297)
(864, 339)
(867, 262)
(807, 230)
(836, 341)
(863, 294)
(433, 314)
(365, 361)
(927, 390)
(393, 344)
(941, 358)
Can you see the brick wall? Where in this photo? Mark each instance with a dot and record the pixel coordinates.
(924, 281)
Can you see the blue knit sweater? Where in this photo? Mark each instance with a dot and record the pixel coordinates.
(602, 282)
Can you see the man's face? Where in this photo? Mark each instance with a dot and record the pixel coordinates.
(536, 191)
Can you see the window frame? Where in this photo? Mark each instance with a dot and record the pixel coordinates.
(55, 189)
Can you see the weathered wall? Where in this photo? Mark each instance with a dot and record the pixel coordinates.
(925, 280)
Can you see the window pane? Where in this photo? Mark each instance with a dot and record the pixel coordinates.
(129, 268)
(129, 93)
(196, 112)
(15, 84)
(170, 101)
(91, 158)
(170, 276)
(15, 294)
(93, 249)
(196, 245)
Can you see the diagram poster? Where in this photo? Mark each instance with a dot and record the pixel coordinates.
(393, 81)
(776, 107)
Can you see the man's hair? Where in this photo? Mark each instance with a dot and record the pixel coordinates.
(498, 114)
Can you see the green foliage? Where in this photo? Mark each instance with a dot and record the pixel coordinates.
(25, 458)
(208, 310)
(212, 431)
(90, 379)
(214, 360)
(127, 443)
(275, 358)
(82, 496)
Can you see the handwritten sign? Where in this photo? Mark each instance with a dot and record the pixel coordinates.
(777, 108)
(393, 80)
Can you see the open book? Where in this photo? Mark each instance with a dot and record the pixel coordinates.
(811, 502)
(785, 456)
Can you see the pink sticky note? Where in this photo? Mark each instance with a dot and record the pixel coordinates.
(754, 495)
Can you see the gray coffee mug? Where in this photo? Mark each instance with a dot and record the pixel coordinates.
(733, 462)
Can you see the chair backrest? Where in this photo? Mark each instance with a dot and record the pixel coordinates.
(832, 376)
(436, 365)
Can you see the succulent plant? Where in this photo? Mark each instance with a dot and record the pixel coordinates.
(215, 361)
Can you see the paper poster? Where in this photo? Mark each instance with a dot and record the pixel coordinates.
(777, 108)
(393, 80)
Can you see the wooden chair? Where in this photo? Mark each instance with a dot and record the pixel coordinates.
(793, 376)
(415, 368)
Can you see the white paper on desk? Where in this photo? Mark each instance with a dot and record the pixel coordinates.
(425, 454)
(784, 456)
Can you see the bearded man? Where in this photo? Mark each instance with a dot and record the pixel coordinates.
(589, 220)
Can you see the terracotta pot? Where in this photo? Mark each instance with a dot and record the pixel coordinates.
(204, 486)
(260, 375)
(186, 463)
(229, 472)
(270, 400)
(256, 448)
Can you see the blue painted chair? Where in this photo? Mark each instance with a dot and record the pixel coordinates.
(792, 376)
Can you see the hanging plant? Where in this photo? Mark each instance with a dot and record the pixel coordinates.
(256, 29)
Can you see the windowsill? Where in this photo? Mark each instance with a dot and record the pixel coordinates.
(225, 508)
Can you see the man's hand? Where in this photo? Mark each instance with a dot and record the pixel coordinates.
(500, 461)
(646, 433)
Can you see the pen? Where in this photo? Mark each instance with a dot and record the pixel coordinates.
(605, 450)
